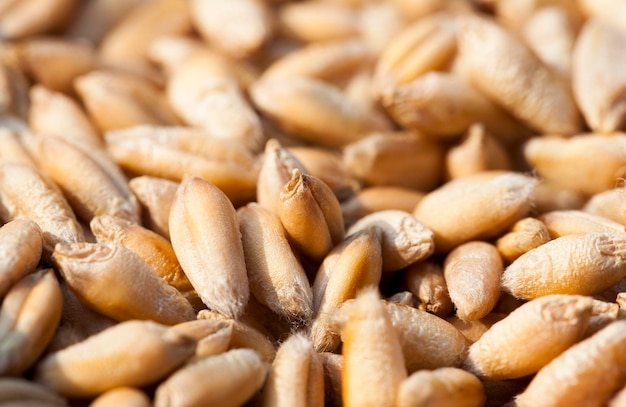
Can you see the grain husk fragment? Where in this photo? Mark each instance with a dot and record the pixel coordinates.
(94, 365)
(244, 335)
(427, 283)
(328, 166)
(277, 165)
(405, 240)
(155, 196)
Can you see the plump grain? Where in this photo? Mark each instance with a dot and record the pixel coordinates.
(505, 70)
(455, 211)
(530, 337)
(29, 316)
(315, 111)
(19, 390)
(472, 272)
(276, 277)
(21, 245)
(444, 387)
(586, 374)
(205, 236)
(379, 198)
(311, 215)
(27, 193)
(93, 366)
(372, 354)
(296, 378)
(226, 380)
(552, 158)
(122, 396)
(405, 159)
(277, 166)
(154, 249)
(583, 264)
(598, 85)
(525, 235)
(119, 283)
(212, 18)
(89, 179)
(427, 341)
(354, 264)
(562, 223)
